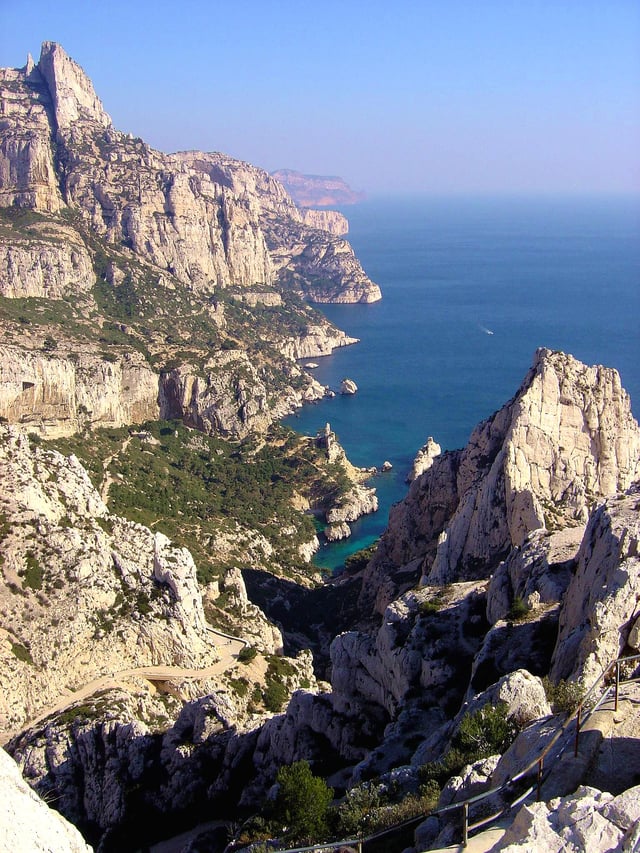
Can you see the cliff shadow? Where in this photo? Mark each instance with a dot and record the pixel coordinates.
(308, 618)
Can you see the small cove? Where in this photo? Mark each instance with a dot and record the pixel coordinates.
(471, 287)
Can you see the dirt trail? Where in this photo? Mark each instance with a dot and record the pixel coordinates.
(107, 479)
(228, 648)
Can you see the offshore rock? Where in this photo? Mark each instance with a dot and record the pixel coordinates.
(567, 438)
(348, 386)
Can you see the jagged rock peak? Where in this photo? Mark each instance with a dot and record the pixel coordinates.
(71, 90)
(566, 440)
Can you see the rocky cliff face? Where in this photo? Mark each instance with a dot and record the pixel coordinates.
(199, 217)
(317, 190)
(60, 395)
(29, 823)
(326, 220)
(134, 244)
(400, 688)
(51, 264)
(566, 439)
(84, 594)
(602, 601)
(27, 172)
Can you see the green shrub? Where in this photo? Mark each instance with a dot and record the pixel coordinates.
(488, 731)
(22, 653)
(519, 610)
(357, 561)
(33, 574)
(240, 686)
(429, 607)
(274, 696)
(247, 654)
(302, 802)
(565, 696)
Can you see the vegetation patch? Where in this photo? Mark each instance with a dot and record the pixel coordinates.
(196, 488)
(247, 654)
(33, 575)
(565, 696)
(22, 652)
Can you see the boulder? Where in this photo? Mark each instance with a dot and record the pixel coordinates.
(348, 386)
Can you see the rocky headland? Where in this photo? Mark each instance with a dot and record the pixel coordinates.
(152, 576)
(99, 234)
(317, 190)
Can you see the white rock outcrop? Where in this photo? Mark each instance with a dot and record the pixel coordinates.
(52, 264)
(348, 387)
(359, 500)
(589, 821)
(567, 439)
(83, 594)
(424, 459)
(602, 602)
(27, 822)
(59, 394)
(209, 220)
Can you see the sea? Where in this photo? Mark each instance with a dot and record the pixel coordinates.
(471, 288)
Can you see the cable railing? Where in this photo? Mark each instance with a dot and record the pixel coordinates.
(535, 767)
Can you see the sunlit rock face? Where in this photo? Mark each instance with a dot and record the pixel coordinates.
(208, 219)
(567, 439)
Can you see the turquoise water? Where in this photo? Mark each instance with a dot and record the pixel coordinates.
(560, 273)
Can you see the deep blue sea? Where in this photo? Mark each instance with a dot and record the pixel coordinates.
(471, 287)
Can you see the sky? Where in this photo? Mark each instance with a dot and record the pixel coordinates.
(438, 96)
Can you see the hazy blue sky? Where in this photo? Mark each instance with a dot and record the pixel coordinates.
(438, 95)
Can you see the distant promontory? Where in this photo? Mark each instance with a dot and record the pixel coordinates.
(317, 190)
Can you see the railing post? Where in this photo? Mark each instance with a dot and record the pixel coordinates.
(540, 766)
(465, 824)
(577, 730)
(615, 704)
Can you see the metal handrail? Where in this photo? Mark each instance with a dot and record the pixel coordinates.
(536, 763)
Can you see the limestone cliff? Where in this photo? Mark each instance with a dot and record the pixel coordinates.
(59, 395)
(204, 218)
(84, 594)
(51, 263)
(565, 440)
(29, 824)
(327, 220)
(27, 172)
(178, 277)
(317, 190)
(398, 693)
(602, 601)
